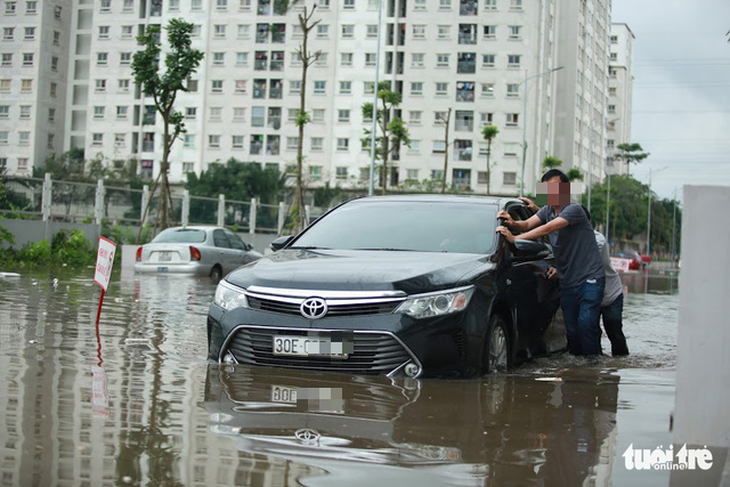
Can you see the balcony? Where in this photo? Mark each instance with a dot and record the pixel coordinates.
(468, 7)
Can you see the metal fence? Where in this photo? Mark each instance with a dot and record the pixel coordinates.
(65, 201)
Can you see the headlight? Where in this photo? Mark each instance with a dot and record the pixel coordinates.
(229, 297)
(436, 304)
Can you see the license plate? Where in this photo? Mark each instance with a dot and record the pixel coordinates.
(164, 257)
(305, 346)
(283, 394)
(162, 269)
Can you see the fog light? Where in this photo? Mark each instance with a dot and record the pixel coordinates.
(229, 359)
(412, 370)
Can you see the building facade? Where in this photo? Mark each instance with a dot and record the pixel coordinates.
(620, 93)
(537, 70)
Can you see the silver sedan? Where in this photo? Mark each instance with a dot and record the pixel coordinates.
(194, 250)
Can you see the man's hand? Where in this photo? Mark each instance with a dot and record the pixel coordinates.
(508, 221)
(506, 233)
(551, 274)
(529, 203)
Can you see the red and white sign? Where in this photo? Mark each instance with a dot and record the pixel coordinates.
(620, 264)
(104, 262)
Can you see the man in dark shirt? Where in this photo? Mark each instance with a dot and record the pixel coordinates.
(578, 261)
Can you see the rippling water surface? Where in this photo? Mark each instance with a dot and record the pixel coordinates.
(135, 402)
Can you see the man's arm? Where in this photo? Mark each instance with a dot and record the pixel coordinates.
(535, 233)
(522, 225)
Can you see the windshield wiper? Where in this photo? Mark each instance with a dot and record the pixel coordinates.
(391, 249)
(308, 247)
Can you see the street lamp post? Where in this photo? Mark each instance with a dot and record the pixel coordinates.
(648, 218)
(375, 104)
(524, 123)
(608, 199)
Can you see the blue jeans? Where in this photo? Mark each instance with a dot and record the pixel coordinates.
(613, 325)
(581, 308)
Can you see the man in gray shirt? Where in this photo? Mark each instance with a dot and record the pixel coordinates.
(582, 278)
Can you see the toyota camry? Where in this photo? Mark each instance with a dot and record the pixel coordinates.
(393, 285)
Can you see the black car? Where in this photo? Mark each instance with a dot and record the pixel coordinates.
(415, 285)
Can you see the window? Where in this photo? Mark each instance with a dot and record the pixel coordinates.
(341, 172)
(102, 58)
(515, 32)
(348, 31)
(7, 59)
(125, 58)
(315, 172)
(221, 4)
(106, 5)
(614, 56)
(343, 115)
(416, 88)
(295, 87)
(512, 119)
(490, 4)
(464, 121)
(237, 141)
(442, 60)
(513, 60)
(9, 8)
(490, 31)
(29, 34)
(173, 5)
(257, 144)
(611, 108)
(219, 31)
(214, 141)
(127, 31)
(439, 146)
(419, 5)
(4, 85)
(467, 33)
(442, 89)
(215, 113)
(345, 87)
(188, 167)
(189, 140)
(28, 59)
(191, 113)
(241, 58)
(486, 119)
(122, 85)
(4, 111)
(97, 139)
(292, 143)
(464, 91)
(488, 90)
(321, 59)
(419, 31)
(439, 118)
(317, 143)
(197, 29)
(239, 113)
(31, 7)
(8, 33)
(103, 32)
(216, 86)
(417, 60)
(51, 114)
(100, 85)
(318, 115)
(323, 31)
(614, 39)
(369, 87)
(513, 90)
(56, 38)
(258, 116)
(320, 87)
(219, 58)
(128, 5)
(57, 12)
(323, 4)
(3, 162)
(24, 112)
(3, 138)
(122, 112)
(343, 144)
(509, 178)
(99, 112)
(444, 32)
(444, 4)
(26, 85)
(488, 60)
(369, 59)
(120, 140)
(346, 59)
(53, 88)
(22, 163)
(244, 31)
(515, 4)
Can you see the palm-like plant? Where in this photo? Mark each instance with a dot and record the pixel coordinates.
(489, 133)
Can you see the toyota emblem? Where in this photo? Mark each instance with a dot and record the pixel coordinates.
(313, 308)
(307, 436)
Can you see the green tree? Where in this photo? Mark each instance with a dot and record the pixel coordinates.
(629, 153)
(394, 132)
(181, 61)
(551, 162)
(489, 133)
(308, 58)
(574, 174)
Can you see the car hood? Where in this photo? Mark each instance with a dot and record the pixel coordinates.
(411, 272)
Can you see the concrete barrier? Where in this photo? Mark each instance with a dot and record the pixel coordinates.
(702, 404)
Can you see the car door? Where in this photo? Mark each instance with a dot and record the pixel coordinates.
(534, 298)
(239, 250)
(223, 249)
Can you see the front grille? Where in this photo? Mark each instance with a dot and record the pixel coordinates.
(373, 353)
(275, 306)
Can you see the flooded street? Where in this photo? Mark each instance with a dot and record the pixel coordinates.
(138, 404)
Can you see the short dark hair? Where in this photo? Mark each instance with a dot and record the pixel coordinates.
(555, 172)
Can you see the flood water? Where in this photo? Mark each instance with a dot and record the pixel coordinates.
(137, 403)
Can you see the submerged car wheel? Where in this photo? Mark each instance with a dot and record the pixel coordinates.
(216, 273)
(497, 351)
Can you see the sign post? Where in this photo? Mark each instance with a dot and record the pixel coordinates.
(104, 263)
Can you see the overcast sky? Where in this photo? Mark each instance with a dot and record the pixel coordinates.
(681, 90)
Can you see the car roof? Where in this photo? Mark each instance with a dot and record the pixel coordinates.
(194, 227)
(500, 201)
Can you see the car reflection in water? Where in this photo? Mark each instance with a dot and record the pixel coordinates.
(517, 430)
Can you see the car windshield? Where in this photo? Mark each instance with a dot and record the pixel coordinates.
(429, 226)
(180, 235)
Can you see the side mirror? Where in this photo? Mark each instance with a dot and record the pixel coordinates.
(280, 242)
(527, 250)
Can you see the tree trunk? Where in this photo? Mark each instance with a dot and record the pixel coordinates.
(446, 151)
(384, 145)
(299, 190)
(489, 153)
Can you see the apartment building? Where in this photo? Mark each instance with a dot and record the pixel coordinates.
(531, 68)
(33, 77)
(620, 93)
